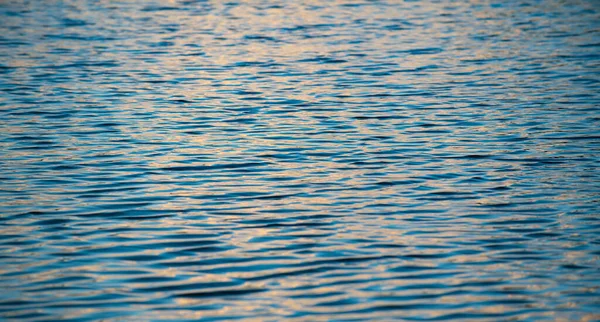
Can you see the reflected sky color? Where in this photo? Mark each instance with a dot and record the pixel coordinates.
(299, 160)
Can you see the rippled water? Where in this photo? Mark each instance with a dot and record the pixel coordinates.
(300, 160)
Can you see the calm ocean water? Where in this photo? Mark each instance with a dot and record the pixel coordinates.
(303, 160)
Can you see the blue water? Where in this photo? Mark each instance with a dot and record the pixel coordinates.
(300, 160)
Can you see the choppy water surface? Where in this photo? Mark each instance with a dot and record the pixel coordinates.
(302, 160)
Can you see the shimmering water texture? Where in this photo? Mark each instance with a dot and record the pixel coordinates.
(302, 160)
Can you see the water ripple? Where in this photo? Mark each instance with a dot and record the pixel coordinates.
(299, 160)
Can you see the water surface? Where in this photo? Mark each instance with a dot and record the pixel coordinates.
(299, 160)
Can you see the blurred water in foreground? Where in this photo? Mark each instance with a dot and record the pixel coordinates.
(299, 160)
